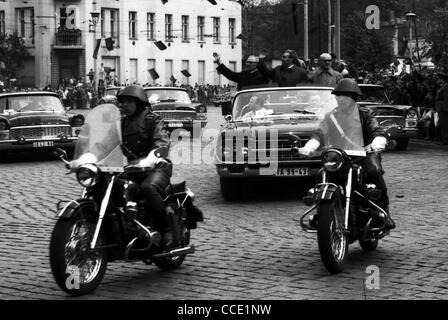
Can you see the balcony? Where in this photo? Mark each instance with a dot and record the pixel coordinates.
(68, 39)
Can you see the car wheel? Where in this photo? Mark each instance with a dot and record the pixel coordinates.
(230, 189)
(402, 144)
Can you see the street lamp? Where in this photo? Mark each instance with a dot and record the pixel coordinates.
(94, 21)
(412, 18)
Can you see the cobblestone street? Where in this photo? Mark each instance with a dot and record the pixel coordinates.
(253, 249)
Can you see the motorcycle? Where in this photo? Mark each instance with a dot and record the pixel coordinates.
(96, 228)
(344, 203)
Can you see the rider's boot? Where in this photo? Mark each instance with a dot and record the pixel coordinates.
(390, 223)
(167, 239)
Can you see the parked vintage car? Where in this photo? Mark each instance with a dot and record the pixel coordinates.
(257, 145)
(36, 121)
(403, 116)
(177, 109)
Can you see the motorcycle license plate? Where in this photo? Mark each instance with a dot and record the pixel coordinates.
(291, 172)
(175, 124)
(43, 144)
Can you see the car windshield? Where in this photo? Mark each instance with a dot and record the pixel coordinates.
(31, 103)
(164, 95)
(111, 91)
(296, 102)
(373, 94)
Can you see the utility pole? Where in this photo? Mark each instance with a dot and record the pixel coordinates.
(329, 27)
(337, 48)
(305, 30)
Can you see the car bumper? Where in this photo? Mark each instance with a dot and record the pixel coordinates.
(243, 171)
(36, 144)
(405, 134)
(187, 125)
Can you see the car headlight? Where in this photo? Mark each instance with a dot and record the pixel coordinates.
(411, 114)
(4, 125)
(88, 175)
(332, 160)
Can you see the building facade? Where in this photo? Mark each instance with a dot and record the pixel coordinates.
(62, 38)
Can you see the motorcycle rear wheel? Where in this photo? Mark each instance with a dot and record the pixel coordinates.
(76, 269)
(333, 244)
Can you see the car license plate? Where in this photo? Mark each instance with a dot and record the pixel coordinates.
(175, 124)
(42, 144)
(296, 172)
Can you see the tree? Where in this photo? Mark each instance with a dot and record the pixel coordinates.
(437, 37)
(368, 50)
(12, 54)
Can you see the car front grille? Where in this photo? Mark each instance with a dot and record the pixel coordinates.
(38, 132)
(177, 115)
(387, 121)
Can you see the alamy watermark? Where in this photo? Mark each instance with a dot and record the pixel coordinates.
(372, 281)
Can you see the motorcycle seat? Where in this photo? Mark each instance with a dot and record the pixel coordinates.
(177, 185)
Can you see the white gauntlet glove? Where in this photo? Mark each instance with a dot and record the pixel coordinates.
(84, 159)
(151, 160)
(310, 147)
(379, 144)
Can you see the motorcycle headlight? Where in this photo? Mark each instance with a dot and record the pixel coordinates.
(332, 161)
(87, 175)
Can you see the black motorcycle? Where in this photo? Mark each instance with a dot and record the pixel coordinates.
(344, 201)
(96, 228)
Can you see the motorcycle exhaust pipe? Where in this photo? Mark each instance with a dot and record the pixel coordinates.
(175, 252)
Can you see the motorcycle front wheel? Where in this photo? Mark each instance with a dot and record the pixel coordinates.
(77, 269)
(333, 243)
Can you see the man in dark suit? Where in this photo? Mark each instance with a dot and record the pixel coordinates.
(250, 76)
(288, 74)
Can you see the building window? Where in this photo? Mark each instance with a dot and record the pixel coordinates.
(2, 21)
(109, 23)
(232, 65)
(201, 24)
(201, 72)
(151, 65)
(132, 25)
(25, 24)
(232, 31)
(185, 66)
(216, 30)
(151, 25)
(185, 22)
(168, 72)
(169, 27)
(133, 66)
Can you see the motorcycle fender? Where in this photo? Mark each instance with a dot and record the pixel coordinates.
(74, 206)
(326, 192)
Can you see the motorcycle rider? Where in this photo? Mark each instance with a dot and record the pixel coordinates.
(142, 133)
(346, 92)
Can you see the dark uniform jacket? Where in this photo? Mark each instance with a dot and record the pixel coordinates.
(243, 78)
(369, 125)
(283, 76)
(143, 133)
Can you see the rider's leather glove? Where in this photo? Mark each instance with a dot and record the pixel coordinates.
(379, 144)
(151, 160)
(310, 147)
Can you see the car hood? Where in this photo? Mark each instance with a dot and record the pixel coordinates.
(159, 106)
(37, 119)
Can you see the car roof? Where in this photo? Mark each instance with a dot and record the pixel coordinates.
(28, 93)
(370, 85)
(165, 88)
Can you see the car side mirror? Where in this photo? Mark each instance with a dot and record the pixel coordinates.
(161, 152)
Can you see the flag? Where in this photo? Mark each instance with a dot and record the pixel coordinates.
(186, 73)
(164, 1)
(109, 44)
(213, 2)
(153, 73)
(173, 80)
(160, 45)
(294, 17)
(240, 36)
(97, 47)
